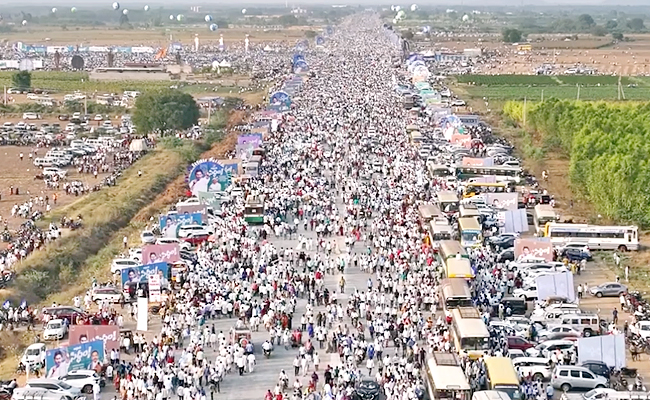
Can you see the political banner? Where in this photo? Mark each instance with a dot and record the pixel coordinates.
(154, 253)
(211, 175)
(244, 151)
(154, 288)
(109, 334)
(503, 201)
(142, 273)
(533, 248)
(209, 199)
(280, 98)
(462, 140)
(250, 138)
(88, 355)
(188, 209)
(478, 162)
(320, 40)
(173, 221)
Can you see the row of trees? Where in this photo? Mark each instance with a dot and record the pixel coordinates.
(609, 148)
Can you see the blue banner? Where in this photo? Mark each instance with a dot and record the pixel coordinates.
(88, 355)
(141, 274)
(180, 219)
(211, 176)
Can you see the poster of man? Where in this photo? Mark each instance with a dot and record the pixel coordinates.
(154, 253)
(89, 355)
(60, 364)
(211, 175)
(530, 248)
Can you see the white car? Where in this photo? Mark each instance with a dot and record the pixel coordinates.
(106, 293)
(83, 379)
(528, 293)
(181, 243)
(55, 330)
(558, 332)
(98, 117)
(544, 349)
(119, 264)
(520, 321)
(458, 103)
(35, 353)
(185, 230)
(147, 237)
(54, 385)
(538, 368)
(641, 328)
(583, 247)
(188, 202)
(52, 171)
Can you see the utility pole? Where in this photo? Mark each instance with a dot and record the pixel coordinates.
(578, 95)
(525, 112)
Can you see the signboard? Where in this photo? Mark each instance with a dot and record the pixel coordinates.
(154, 288)
(192, 208)
(143, 311)
(88, 355)
(211, 175)
(503, 201)
(173, 221)
(155, 253)
(560, 284)
(143, 273)
(478, 162)
(250, 138)
(280, 98)
(209, 199)
(109, 334)
(609, 349)
(462, 140)
(533, 248)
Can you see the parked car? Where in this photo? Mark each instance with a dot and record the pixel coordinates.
(515, 342)
(147, 237)
(558, 332)
(544, 349)
(528, 293)
(597, 367)
(65, 312)
(567, 377)
(608, 289)
(538, 368)
(83, 379)
(55, 385)
(106, 293)
(120, 263)
(55, 330)
(196, 238)
(367, 389)
(506, 255)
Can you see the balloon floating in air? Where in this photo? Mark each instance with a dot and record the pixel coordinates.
(146, 8)
(397, 8)
(116, 6)
(180, 17)
(171, 17)
(73, 9)
(54, 10)
(414, 7)
(243, 11)
(392, 8)
(213, 27)
(24, 22)
(465, 18)
(208, 18)
(125, 11)
(394, 20)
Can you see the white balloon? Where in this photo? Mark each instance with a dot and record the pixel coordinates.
(414, 7)
(73, 9)
(24, 22)
(171, 17)
(180, 17)
(392, 8)
(116, 6)
(146, 8)
(213, 27)
(397, 8)
(54, 10)
(125, 11)
(208, 18)
(465, 18)
(394, 20)
(243, 11)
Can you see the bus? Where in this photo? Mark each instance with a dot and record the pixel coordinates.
(542, 214)
(448, 201)
(440, 171)
(471, 232)
(445, 378)
(475, 188)
(254, 210)
(455, 293)
(458, 268)
(502, 172)
(501, 376)
(470, 335)
(622, 238)
(439, 229)
(450, 249)
(429, 212)
(416, 137)
(468, 210)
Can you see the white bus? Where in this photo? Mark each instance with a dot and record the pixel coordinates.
(542, 214)
(622, 238)
(470, 334)
(445, 378)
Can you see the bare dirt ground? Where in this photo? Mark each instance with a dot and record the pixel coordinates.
(20, 175)
(626, 58)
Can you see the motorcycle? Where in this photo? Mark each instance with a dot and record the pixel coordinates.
(267, 352)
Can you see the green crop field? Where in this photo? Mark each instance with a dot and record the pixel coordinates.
(533, 87)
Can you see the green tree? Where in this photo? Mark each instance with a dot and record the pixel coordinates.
(165, 111)
(586, 21)
(512, 35)
(636, 24)
(598, 30)
(617, 36)
(22, 79)
(611, 25)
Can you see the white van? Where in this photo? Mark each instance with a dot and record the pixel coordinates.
(35, 353)
(31, 115)
(43, 162)
(586, 323)
(612, 394)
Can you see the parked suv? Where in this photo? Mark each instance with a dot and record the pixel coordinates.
(567, 377)
(538, 368)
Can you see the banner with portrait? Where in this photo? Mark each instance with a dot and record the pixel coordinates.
(109, 334)
(173, 221)
(88, 355)
(142, 273)
(533, 248)
(211, 175)
(503, 201)
(155, 253)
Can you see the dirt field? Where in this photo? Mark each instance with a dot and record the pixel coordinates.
(21, 175)
(625, 58)
(147, 37)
